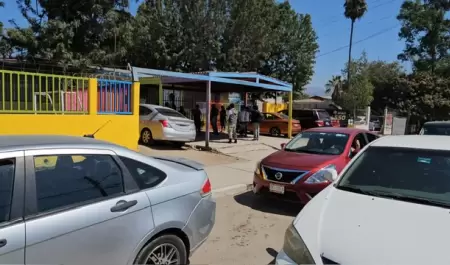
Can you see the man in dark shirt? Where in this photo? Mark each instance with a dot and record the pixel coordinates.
(214, 116)
(197, 114)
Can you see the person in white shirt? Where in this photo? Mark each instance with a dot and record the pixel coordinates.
(232, 118)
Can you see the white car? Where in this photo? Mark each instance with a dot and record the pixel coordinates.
(390, 205)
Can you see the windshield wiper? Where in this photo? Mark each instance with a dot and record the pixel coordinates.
(406, 198)
(356, 190)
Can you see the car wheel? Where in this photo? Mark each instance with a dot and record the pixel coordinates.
(275, 131)
(166, 249)
(146, 137)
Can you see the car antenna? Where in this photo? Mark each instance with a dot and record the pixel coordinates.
(93, 135)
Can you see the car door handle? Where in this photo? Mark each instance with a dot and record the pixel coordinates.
(122, 206)
(3, 242)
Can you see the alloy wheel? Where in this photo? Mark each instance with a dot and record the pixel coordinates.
(164, 254)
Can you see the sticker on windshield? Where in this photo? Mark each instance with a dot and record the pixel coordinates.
(424, 160)
(340, 135)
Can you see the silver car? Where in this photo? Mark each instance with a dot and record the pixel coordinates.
(75, 200)
(158, 123)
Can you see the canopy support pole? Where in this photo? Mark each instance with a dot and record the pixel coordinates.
(208, 113)
(290, 115)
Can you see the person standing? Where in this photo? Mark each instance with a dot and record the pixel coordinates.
(256, 118)
(223, 117)
(182, 111)
(214, 116)
(197, 114)
(244, 118)
(232, 122)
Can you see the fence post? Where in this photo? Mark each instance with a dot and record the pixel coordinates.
(92, 96)
(135, 97)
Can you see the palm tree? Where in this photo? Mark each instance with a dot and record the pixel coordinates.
(354, 9)
(335, 87)
(2, 4)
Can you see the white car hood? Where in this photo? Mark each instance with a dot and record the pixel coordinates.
(355, 229)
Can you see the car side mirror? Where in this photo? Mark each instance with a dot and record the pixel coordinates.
(330, 174)
(283, 145)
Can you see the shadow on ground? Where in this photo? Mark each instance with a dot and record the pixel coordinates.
(221, 137)
(268, 204)
(166, 146)
(272, 252)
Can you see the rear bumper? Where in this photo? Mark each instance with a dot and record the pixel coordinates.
(299, 192)
(201, 222)
(170, 134)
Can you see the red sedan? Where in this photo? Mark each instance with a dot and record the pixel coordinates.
(296, 172)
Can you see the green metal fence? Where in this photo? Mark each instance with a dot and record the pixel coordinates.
(23, 92)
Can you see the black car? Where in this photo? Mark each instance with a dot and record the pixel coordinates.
(311, 118)
(436, 128)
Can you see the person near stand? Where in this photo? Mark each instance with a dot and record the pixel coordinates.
(214, 116)
(232, 122)
(256, 118)
(223, 118)
(197, 115)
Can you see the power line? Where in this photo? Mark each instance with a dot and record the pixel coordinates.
(338, 18)
(368, 23)
(359, 41)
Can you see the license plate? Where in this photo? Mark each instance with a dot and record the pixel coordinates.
(276, 188)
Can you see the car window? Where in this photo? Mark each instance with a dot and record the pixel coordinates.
(323, 115)
(361, 139)
(169, 112)
(65, 180)
(268, 116)
(7, 167)
(284, 116)
(329, 143)
(371, 137)
(424, 174)
(436, 130)
(145, 175)
(143, 111)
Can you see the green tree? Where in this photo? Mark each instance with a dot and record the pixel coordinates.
(353, 10)
(426, 31)
(358, 95)
(58, 34)
(423, 95)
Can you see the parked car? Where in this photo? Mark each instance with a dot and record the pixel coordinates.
(376, 213)
(276, 124)
(158, 123)
(75, 200)
(436, 128)
(311, 118)
(297, 171)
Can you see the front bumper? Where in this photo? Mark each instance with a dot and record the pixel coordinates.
(293, 192)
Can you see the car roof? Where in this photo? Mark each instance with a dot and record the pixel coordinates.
(433, 142)
(337, 130)
(437, 123)
(28, 142)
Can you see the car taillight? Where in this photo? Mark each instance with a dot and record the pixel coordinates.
(164, 123)
(319, 123)
(206, 188)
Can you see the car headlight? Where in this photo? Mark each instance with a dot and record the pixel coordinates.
(258, 168)
(319, 176)
(295, 247)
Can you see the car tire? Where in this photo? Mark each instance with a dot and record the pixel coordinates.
(146, 137)
(153, 248)
(275, 131)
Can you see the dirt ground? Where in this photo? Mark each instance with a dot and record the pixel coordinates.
(248, 230)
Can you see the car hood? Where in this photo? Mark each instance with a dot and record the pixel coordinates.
(360, 229)
(292, 160)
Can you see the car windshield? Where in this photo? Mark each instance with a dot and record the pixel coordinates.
(169, 112)
(323, 115)
(284, 116)
(436, 130)
(326, 143)
(420, 176)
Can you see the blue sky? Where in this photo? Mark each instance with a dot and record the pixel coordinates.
(332, 29)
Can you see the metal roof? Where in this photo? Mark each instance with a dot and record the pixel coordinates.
(253, 80)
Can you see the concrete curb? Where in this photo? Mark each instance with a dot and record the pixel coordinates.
(231, 190)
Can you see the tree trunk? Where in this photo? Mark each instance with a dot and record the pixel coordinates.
(350, 54)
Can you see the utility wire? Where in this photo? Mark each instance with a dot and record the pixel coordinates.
(359, 41)
(338, 18)
(368, 23)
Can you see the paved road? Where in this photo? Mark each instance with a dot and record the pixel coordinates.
(248, 230)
